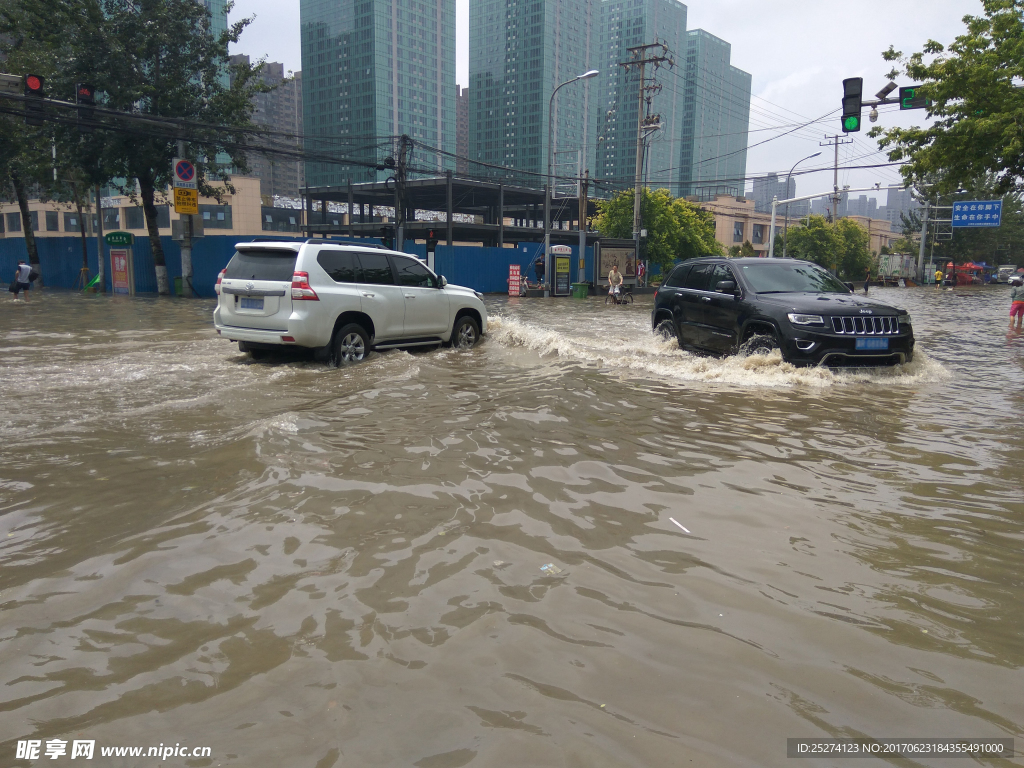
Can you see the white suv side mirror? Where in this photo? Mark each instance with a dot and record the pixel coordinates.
(441, 281)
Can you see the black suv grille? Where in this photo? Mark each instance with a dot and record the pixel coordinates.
(866, 326)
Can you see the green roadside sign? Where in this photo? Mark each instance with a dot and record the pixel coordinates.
(120, 238)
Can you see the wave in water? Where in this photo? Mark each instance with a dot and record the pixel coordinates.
(649, 356)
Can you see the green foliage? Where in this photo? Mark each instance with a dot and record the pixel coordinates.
(842, 247)
(856, 258)
(676, 228)
(976, 100)
(816, 240)
(733, 251)
(747, 249)
(157, 58)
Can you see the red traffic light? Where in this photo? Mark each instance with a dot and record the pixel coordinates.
(86, 94)
(33, 85)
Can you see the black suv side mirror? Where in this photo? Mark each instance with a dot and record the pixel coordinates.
(726, 286)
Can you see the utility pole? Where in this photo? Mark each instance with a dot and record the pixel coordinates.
(404, 143)
(646, 123)
(100, 258)
(836, 141)
(581, 275)
(186, 244)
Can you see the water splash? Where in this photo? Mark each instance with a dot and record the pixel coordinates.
(647, 355)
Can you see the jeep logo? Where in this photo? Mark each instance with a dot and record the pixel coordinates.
(250, 286)
(866, 312)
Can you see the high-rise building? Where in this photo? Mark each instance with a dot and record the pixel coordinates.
(861, 206)
(218, 16)
(462, 131)
(279, 110)
(899, 201)
(519, 52)
(373, 71)
(713, 152)
(624, 24)
(767, 188)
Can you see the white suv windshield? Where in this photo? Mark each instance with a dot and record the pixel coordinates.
(789, 277)
(270, 264)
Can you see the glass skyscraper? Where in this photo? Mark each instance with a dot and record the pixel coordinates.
(625, 24)
(713, 154)
(373, 70)
(519, 52)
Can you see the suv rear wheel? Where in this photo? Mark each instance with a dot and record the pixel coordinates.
(351, 345)
(466, 333)
(666, 330)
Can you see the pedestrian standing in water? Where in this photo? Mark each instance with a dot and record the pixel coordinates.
(21, 279)
(867, 281)
(938, 279)
(614, 282)
(538, 270)
(1017, 301)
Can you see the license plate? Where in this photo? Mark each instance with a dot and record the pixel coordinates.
(258, 304)
(872, 343)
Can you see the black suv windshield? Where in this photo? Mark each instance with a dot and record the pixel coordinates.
(790, 277)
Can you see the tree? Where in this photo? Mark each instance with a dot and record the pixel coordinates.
(816, 240)
(676, 228)
(976, 100)
(843, 246)
(856, 258)
(154, 58)
(747, 249)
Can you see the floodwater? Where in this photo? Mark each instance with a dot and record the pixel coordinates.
(301, 566)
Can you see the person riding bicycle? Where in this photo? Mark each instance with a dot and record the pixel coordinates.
(615, 282)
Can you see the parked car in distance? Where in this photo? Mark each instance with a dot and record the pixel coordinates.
(725, 306)
(340, 300)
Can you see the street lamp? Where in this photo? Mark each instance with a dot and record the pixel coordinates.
(785, 228)
(548, 186)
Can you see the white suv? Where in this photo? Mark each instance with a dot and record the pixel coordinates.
(340, 300)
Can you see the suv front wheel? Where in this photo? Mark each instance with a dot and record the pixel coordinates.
(760, 343)
(351, 345)
(466, 333)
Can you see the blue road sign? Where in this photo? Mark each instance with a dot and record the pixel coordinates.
(977, 213)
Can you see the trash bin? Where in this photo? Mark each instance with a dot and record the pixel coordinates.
(580, 290)
(178, 291)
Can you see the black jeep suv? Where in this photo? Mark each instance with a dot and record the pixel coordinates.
(724, 305)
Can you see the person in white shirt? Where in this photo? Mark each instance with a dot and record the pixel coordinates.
(21, 279)
(614, 280)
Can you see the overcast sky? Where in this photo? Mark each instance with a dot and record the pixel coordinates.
(798, 52)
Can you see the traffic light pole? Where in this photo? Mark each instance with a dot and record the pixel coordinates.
(924, 237)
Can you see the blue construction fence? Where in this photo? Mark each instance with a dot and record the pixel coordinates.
(60, 261)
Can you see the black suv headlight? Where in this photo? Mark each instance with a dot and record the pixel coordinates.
(797, 319)
(904, 319)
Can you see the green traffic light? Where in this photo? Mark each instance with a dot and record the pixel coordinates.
(851, 123)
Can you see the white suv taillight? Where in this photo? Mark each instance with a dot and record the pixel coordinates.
(300, 288)
(216, 287)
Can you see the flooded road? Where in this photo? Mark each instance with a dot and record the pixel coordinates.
(449, 559)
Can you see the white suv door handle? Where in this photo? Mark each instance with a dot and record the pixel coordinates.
(369, 295)
(409, 297)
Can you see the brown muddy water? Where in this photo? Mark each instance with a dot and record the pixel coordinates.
(302, 566)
